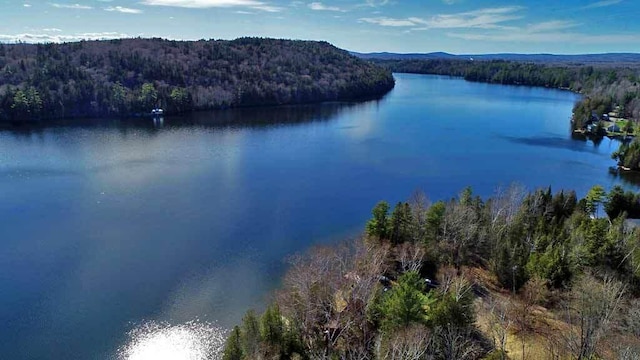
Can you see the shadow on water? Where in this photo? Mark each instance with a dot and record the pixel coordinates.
(230, 118)
(556, 142)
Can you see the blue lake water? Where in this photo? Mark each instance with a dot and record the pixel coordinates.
(108, 224)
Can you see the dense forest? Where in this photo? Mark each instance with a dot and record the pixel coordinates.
(132, 76)
(521, 275)
(628, 155)
(604, 88)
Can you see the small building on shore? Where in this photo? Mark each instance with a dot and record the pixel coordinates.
(614, 128)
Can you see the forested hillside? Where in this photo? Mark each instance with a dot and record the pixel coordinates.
(604, 88)
(522, 275)
(131, 76)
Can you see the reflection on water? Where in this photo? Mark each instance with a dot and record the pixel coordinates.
(267, 117)
(158, 122)
(230, 118)
(629, 178)
(159, 341)
(111, 222)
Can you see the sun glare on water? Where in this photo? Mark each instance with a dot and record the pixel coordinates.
(159, 341)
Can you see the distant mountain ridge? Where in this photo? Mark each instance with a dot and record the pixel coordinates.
(536, 58)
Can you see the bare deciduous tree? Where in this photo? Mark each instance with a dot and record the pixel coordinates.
(410, 256)
(459, 228)
(532, 293)
(328, 292)
(506, 204)
(413, 343)
(419, 204)
(628, 353)
(499, 322)
(455, 343)
(594, 304)
(456, 284)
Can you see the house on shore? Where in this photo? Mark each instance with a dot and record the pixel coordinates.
(614, 128)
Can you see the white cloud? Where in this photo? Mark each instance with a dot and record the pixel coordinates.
(51, 30)
(72, 6)
(203, 4)
(318, 6)
(603, 3)
(26, 5)
(125, 10)
(58, 38)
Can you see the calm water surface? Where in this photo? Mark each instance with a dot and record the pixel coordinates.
(108, 224)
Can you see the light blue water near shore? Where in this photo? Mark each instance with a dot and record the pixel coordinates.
(109, 224)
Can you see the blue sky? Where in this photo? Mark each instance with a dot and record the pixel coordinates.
(456, 26)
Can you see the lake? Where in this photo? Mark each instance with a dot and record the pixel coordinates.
(109, 226)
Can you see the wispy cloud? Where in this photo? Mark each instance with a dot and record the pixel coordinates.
(318, 6)
(500, 24)
(124, 10)
(26, 5)
(553, 31)
(488, 18)
(549, 37)
(376, 3)
(203, 4)
(371, 4)
(603, 3)
(72, 6)
(553, 25)
(385, 21)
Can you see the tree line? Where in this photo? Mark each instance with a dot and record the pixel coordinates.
(410, 289)
(132, 76)
(603, 87)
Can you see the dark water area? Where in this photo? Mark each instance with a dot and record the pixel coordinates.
(110, 223)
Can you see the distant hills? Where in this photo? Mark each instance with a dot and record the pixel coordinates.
(607, 58)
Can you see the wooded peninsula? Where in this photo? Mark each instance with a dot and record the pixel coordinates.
(119, 78)
(521, 275)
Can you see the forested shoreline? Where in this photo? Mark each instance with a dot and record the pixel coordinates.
(521, 275)
(603, 88)
(610, 103)
(119, 78)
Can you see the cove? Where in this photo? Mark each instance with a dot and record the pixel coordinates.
(108, 224)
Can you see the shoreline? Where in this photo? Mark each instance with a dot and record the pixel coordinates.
(137, 116)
